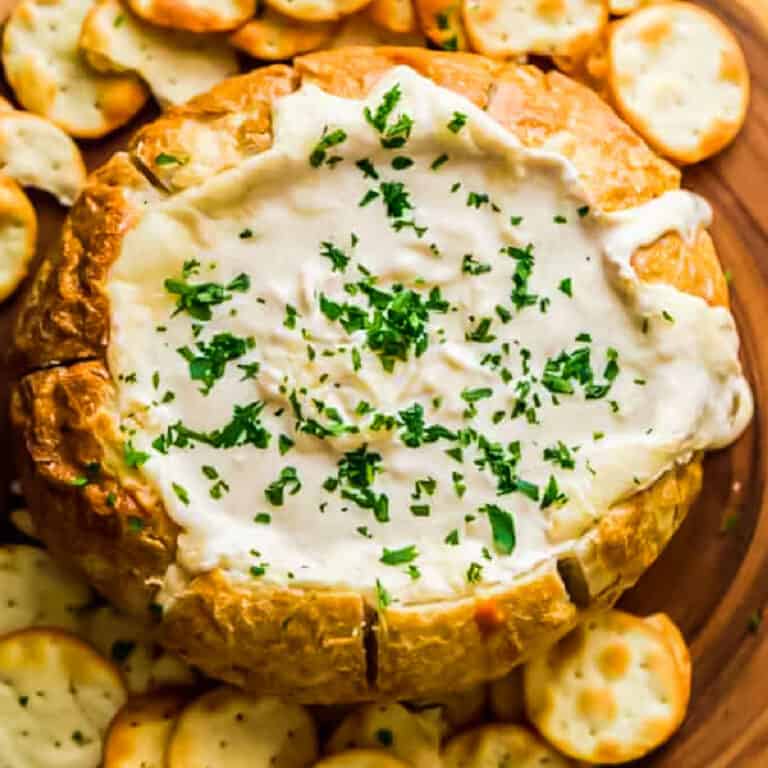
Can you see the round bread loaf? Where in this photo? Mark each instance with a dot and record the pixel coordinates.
(489, 557)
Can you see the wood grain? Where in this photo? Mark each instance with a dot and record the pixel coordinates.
(713, 583)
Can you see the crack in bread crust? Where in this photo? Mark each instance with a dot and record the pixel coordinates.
(319, 646)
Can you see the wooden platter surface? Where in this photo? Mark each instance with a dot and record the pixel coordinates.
(713, 577)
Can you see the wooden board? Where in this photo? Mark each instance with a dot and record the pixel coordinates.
(713, 583)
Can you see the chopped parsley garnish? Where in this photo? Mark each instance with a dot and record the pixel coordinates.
(438, 161)
(245, 234)
(400, 163)
(667, 316)
(452, 538)
(457, 122)
(284, 444)
(399, 556)
(515, 221)
(383, 599)
(356, 472)
(133, 458)
(181, 492)
(477, 200)
(470, 265)
(420, 510)
(502, 527)
(368, 197)
(263, 518)
(459, 486)
(560, 219)
(197, 299)
(523, 271)
(474, 395)
(552, 494)
(560, 454)
(287, 480)
(474, 573)
(163, 160)
(394, 135)
(208, 363)
(337, 257)
(583, 211)
(135, 524)
(566, 286)
(250, 370)
(395, 197)
(319, 154)
(368, 169)
(480, 333)
(568, 367)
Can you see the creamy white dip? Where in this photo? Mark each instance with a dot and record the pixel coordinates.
(551, 382)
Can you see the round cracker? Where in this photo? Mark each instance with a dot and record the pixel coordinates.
(36, 592)
(491, 746)
(359, 29)
(139, 735)
(678, 76)
(442, 24)
(49, 77)
(397, 16)
(410, 736)
(229, 727)
(195, 15)
(37, 153)
(18, 236)
(57, 698)
(274, 37)
(361, 758)
(175, 65)
(501, 29)
(133, 647)
(317, 10)
(610, 691)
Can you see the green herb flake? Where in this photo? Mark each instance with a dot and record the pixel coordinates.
(474, 573)
(457, 122)
(181, 493)
(319, 154)
(439, 161)
(566, 287)
(288, 479)
(502, 527)
(399, 556)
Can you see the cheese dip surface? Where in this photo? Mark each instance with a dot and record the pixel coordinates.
(397, 352)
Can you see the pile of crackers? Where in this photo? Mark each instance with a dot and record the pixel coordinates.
(83, 686)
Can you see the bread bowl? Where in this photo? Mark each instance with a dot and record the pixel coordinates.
(360, 626)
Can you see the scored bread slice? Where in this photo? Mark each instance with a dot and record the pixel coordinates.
(442, 23)
(272, 36)
(57, 698)
(612, 690)
(678, 76)
(37, 153)
(133, 647)
(18, 235)
(175, 65)
(410, 736)
(360, 758)
(49, 76)
(548, 27)
(35, 591)
(492, 746)
(395, 15)
(195, 15)
(226, 727)
(317, 10)
(139, 734)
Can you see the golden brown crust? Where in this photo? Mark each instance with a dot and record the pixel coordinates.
(336, 648)
(195, 17)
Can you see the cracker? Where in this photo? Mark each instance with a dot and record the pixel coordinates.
(441, 21)
(35, 591)
(361, 758)
(175, 65)
(275, 37)
(139, 735)
(57, 698)
(459, 708)
(359, 29)
(506, 697)
(612, 690)
(397, 16)
(133, 647)
(491, 746)
(410, 736)
(50, 77)
(678, 76)
(18, 236)
(229, 727)
(317, 10)
(501, 29)
(39, 154)
(195, 15)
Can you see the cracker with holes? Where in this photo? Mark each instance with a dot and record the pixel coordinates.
(35, 591)
(195, 15)
(612, 690)
(274, 37)
(37, 153)
(678, 76)
(547, 27)
(491, 746)
(361, 758)
(50, 77)
(229, 727)
(442, 23)
(57, 698)
(317, 10)
(395, 15)
(139, 735)
(133, 647)
(410, 736)
(18, 236)
(175, 65)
